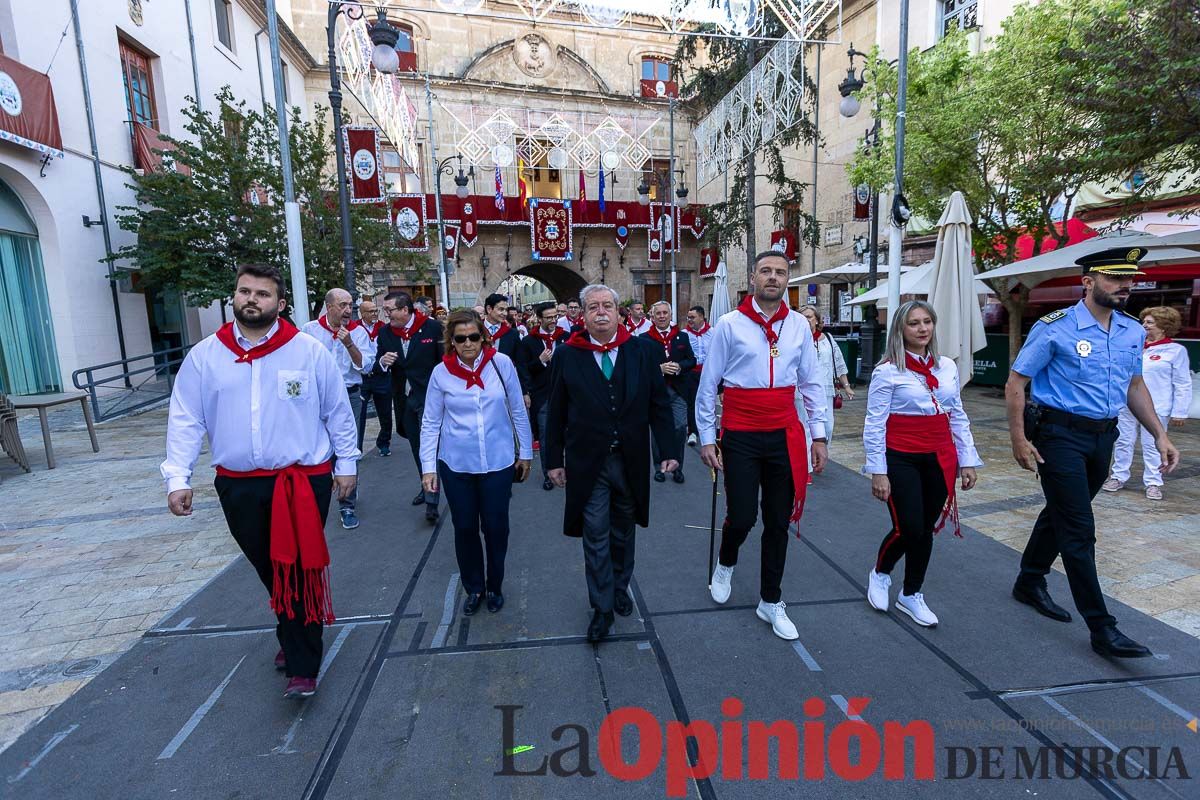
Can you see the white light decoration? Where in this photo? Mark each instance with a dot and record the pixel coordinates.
(382, 95)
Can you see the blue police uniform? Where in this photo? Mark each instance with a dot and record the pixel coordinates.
(1079, 380)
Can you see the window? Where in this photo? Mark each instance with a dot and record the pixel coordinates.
(394, 171)
(139, 85)
(959, 14)
(224, 17)
(406, 48)
(791, 217)
(659, 180)
(283, 75)
(658, 79)
(656, 69)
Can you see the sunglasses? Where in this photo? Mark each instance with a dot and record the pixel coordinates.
(463, 338)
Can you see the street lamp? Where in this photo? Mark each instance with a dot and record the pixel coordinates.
(603, 264)
(484, 263)
(384, 37)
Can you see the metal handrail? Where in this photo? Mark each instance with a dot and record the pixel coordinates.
(162, 364)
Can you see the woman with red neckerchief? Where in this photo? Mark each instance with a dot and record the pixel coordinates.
(918, 444)
(1168, 376)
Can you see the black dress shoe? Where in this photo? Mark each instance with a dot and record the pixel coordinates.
(495, 601)
(420, 498)
(547, 484)
(660, 477)
(1040, 599)
(431, 514)
(601, 622)
(472, 604)
(1110, 642)
(677, 476)
(622, 603)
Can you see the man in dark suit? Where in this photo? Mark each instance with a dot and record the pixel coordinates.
(606, 395)
(505, 338)
(409, 347)
(676, 360)
(533, 360)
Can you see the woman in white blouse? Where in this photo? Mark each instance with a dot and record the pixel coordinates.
(918, 443)
(833, 366)
(474, 412)
(1168, 376)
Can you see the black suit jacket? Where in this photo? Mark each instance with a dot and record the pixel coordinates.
(507, 344)
(425, 351)
(534, 375)
(680, 351)
(587, 413)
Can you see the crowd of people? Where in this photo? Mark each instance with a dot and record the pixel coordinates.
(612, 396)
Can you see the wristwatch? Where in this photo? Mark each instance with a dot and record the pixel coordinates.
(822, 441)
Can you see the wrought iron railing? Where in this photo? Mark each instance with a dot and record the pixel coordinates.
(128, 384)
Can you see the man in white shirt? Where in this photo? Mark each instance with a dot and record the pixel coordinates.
(639, 323)
(764, 355)
(274, 408)
(354, 352)
(573, 320)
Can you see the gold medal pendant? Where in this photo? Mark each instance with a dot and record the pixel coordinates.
(774, 351)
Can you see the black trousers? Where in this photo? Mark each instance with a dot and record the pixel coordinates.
(410, 418)
(609, 535)
(479, 501)
(918, 497)
(247, 506)
(1076, 466)
(754, 461)
(382, 398)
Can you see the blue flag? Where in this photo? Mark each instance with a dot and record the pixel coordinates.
(602, 193)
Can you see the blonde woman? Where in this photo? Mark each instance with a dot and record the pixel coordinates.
(918, 444)
(1168, 376)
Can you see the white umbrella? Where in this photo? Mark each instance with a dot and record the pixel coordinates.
(720, 301)
(852, 272)
(1061, 263)
(918, 281)
(952, 292)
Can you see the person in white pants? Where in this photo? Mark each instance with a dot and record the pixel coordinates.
(832, 366)
(1168, 376)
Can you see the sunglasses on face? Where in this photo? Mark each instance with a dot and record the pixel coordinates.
(463, 338)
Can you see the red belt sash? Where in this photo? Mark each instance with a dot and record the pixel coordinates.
(297, 541)
(929, 433)
(771, 410)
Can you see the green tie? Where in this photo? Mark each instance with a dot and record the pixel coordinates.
(606, 365)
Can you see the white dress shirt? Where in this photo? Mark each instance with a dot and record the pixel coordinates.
(829, 356)
(566, 324)
(740, 356)
(700, 343)
(893, 391)
(612, 354)
(351, 374)
(1168, 376)
(287, 407)
(472, 429)
(641, 327)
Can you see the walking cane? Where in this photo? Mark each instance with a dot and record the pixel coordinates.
(712, 525)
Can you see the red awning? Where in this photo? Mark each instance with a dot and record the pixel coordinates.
(1154, 274)
(1077, 231)
(28, 116)
(148, 147)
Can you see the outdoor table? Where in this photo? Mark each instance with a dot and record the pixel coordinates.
(44, 401)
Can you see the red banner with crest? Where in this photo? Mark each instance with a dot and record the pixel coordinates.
(361, 145)
(709, 258)
(470, 227)
(784, 242)
(408, 220)
(550, 223)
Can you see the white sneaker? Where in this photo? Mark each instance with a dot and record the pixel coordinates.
(915, 607)
(692, 440)
(775, 614)
(1112, 485)
(720, 588)
(1154, 493)
(877, 591)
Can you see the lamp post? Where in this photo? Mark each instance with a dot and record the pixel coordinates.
(461, 191)
(384, 59)
(603, 265)
(664, 183)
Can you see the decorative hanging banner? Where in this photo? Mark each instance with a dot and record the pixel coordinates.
(621, 232)
(660, 215)
(408, 219)
(550, 223)
(361, 145)
(654, 247)
(784, 242)
(692, 218)
(470, 228)
(862, 202)
(450, 242)
(709, 258)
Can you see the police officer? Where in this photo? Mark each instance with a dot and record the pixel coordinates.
(1084, 364)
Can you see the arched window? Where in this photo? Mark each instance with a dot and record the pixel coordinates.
(658, 78)
(28, 357)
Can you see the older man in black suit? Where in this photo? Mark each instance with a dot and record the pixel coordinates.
(606, 395)
(409, 347)
(676, 361)
(534, 356)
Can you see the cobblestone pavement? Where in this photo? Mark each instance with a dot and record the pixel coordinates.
(90, 559)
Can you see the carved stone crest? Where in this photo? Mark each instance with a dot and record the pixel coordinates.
(534, 55)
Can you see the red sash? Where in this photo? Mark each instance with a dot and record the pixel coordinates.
(663, 339)
(929, 433)
(581, 340)
(771, 410)
(297, 541)
(472, 377)
(282, 335)
(407, 333)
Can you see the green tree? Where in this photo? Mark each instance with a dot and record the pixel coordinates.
(997, 126)
(195, 223)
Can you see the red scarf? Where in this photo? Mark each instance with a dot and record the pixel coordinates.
(663, 338)
(771, 410)
(747, 308)
(354, 323)
(472, 377)
(816, 335)
(929, 433)
(501, 332)
(581, 340)
(1164, 340)
(282, 335)
(548, 339)
(332, 332)
(702, 331)
(373, 331)
(418, 319)
(297, 541)
(919, 366)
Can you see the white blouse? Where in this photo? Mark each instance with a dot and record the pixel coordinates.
(832, 362)
(904, 392)
(1168, 376)
(472, 429)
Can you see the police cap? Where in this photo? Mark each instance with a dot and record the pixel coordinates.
(1116, 261)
